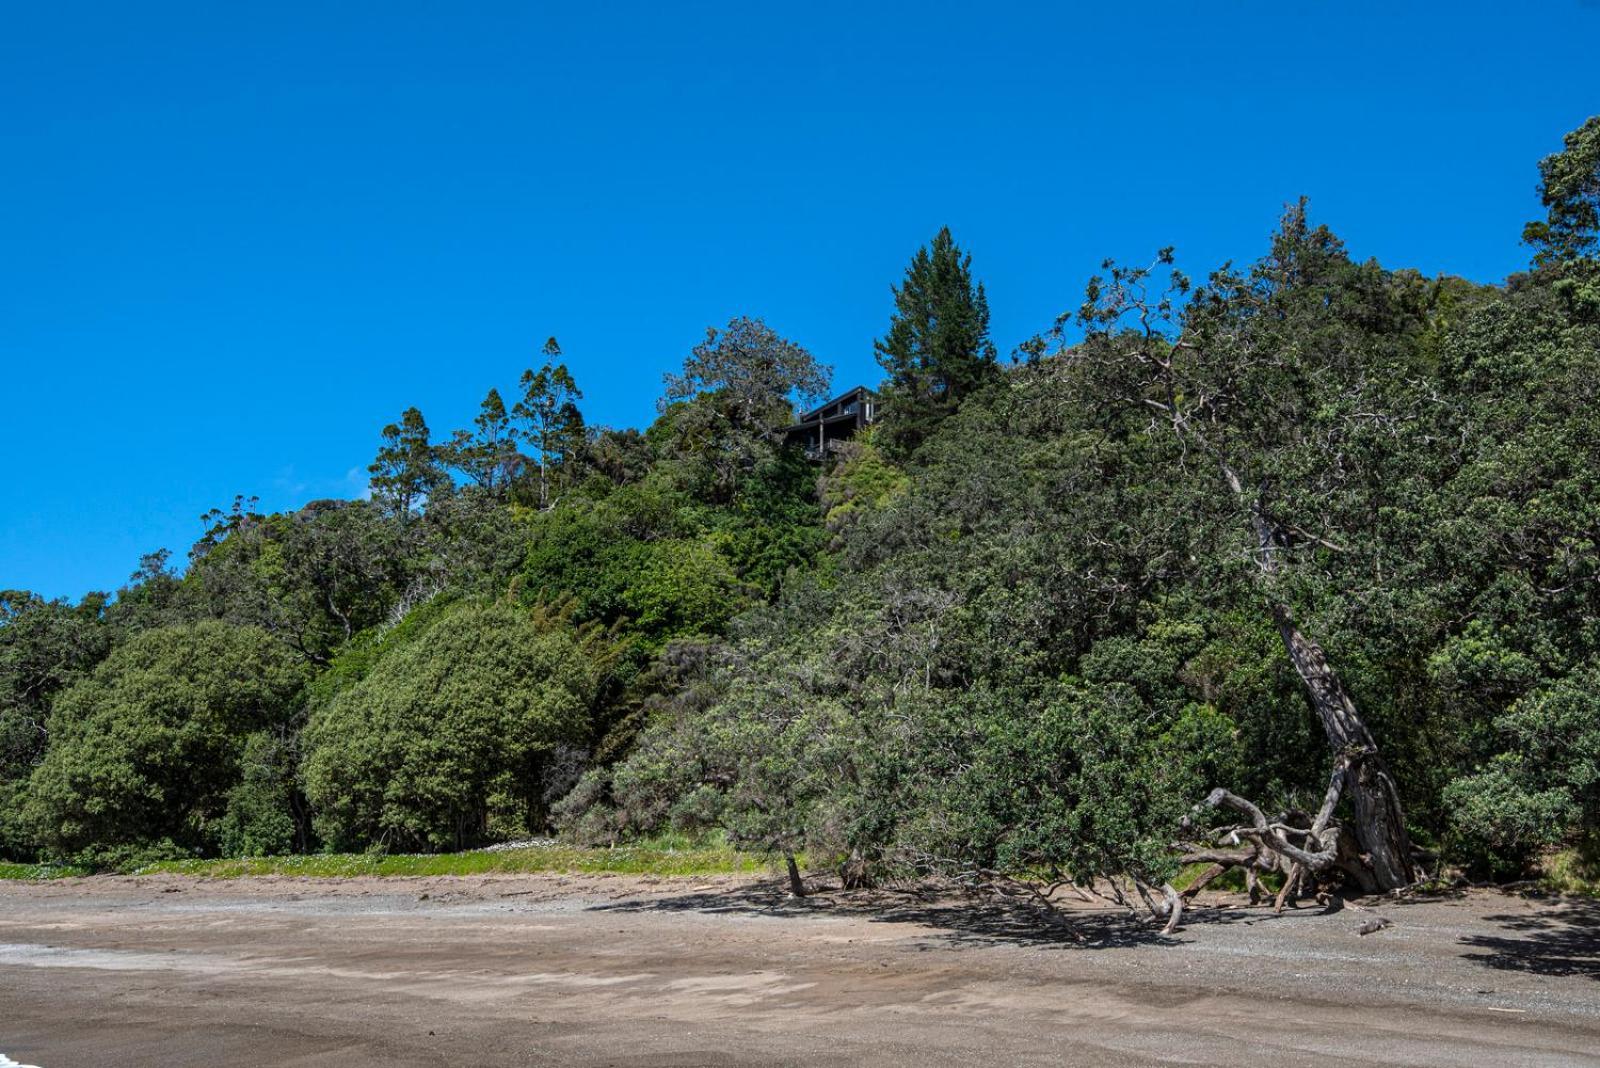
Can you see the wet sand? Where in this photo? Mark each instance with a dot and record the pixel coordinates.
(545, 970)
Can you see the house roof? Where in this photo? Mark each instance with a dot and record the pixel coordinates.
(815, 414)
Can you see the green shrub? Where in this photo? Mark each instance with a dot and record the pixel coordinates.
(144, 752)
(1544, 789)
(263, 813)
(455, 732)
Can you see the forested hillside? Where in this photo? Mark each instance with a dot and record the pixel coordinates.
(1307, 550)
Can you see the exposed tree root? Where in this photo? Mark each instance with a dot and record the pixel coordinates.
(1307, 853)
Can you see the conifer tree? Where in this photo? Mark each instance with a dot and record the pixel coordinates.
(937, 352)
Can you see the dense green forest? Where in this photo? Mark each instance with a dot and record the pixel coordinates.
(1307, 552)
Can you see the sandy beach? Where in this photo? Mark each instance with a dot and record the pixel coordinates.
(526, 970)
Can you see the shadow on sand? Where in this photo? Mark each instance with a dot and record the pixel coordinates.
(964, 919)
(1561, 940)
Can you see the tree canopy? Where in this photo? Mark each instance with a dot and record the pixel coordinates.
(456, 732)
(1287, 567)
(937, 352)
(144, 752)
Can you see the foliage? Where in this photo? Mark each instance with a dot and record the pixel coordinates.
(937, 352)
(1084, 781)
(487, 454)
(1544, 784)
(1310, 510)
(315, 577)
(863, 479)
(266, 812)
(640, 858)
(1569, 185)
(37, 872)
(1572, 871)
(552, 423)
(453, 738)
(45, 647)
(729, 404)
(407, 468)
(145, 751)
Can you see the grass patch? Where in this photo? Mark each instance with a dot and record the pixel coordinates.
(9, 870)
(1233, 879)
(1572, 871)
(622, 860)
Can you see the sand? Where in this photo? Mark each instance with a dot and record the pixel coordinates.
(548, 970)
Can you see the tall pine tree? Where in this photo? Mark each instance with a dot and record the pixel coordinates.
(937, 352)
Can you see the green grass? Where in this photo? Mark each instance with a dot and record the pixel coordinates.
(1232, 880)
(9, 870)
(627, 860)
(1572, 871)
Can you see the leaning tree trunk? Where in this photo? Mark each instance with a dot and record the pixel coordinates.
(797, 885)
(1380, 826)
(1361, 773)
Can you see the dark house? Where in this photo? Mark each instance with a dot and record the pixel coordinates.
(822, 428)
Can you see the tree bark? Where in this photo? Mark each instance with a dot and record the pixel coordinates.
(1379, 826)
(797, 886)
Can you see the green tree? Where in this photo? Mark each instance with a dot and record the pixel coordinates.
(554, 425)
(1569, 186)
(1269, 375)
(487, 454)
(45, 647)
(680, 588)
(145, 751)
(313, 578)
(406, 470)
(266, 812)
(1543, 790)
(153, 596)
(456, 735)
(937, 352)
(725, 412)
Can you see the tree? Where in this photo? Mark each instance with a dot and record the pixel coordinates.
(1543, 788)
(45, 647)
(634, 559)
(452, 736)
(407, 468)
(937, 352)
(726, 410)
(617, 456)
(312, 578)
(1273, 392)
(488, 454)
(1569, 186)
(153, 596)
(554, 425)
(266, 813)
(145, 751)
(746, 742)
(1513, 526)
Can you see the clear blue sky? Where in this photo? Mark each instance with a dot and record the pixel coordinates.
(235, 240)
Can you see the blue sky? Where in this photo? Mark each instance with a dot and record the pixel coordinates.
(238, 240)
